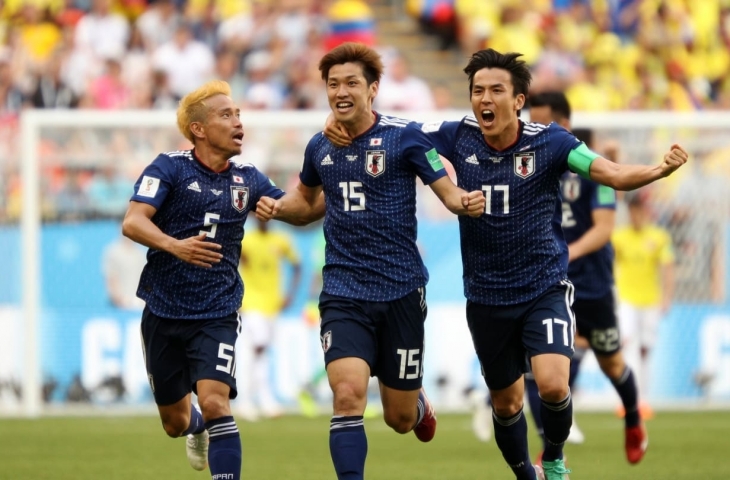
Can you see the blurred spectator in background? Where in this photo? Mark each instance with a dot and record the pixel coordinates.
(102, 31)
(50, 91)
(122, 263)
(401, 91)
(108, 91)
(11, 98)
(109, 192)
(265, 91)
(265, 254)
(158, 23)
(70, 202)
(188, 63)
(644, 262)
(436, 17)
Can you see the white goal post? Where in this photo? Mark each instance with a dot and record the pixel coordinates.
(643, 135)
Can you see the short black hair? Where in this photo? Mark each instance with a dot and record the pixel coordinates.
(585, 135)
(490, 58)
(556, 101)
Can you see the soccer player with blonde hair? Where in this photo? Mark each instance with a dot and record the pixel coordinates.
(189, 208)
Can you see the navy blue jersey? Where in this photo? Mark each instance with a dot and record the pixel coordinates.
(591, 274)
(370, 219)
(191, 199)
(516, 250)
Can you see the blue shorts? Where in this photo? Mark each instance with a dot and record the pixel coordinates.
(387, 335)
(596, 321)
(506, 337)
(178, 353)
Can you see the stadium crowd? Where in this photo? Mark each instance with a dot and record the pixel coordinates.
(144, 54)
(606, 55)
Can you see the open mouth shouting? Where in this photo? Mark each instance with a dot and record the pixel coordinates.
(238, 138)
(488, 117)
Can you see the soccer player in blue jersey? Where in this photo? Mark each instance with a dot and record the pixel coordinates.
(189, 208)
(588, 217)
(372, 304)
(515, 256)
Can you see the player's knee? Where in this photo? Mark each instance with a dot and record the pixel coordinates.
(214, 406)
(400, 421)
(553, 391)
(175, 426)
(507, 408)
(613, 366)
(348, 399)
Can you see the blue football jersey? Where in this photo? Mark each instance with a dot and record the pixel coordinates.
(191, 199)
(591, 274)
(516, 250)
(370, 220)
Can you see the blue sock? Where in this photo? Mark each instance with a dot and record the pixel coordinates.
(557, 419)
(196, 422)
(533, 398)
(224, 451)
(625, 386)
(511, 437)
(348, 447)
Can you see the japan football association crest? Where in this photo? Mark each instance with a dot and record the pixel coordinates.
(524, 164)
(571, 189)
(326, 341)
(239, 197)
(375, 162)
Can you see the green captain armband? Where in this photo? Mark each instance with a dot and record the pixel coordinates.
(580, 159)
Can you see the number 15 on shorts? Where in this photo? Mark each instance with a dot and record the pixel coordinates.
(410, 363)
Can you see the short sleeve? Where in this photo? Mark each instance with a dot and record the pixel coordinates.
(156, 181)
(603, 197)
(420, 154)
(442, 136)
(267, 187)
(309, 175)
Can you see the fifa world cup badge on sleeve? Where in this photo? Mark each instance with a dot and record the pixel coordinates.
(148, 187)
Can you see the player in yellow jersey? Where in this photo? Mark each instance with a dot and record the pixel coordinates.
(645, 281)
(264, 255)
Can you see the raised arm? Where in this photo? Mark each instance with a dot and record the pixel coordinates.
(630, 177)
(138, 226)
(299, 207)
(458, 201)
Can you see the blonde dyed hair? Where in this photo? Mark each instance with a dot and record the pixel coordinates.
(193, 108)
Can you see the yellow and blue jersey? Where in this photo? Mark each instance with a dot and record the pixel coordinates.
(640, 256)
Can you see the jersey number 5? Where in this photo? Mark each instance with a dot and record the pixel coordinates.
(208, 221)
(487, 189)
(350, 192)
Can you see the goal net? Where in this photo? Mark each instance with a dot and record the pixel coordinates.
(69, 322)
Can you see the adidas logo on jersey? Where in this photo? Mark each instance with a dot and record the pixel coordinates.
(194, 186)
(472, 159)
(327, 161)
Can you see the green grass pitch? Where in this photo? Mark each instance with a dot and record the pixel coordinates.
(687, 445)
